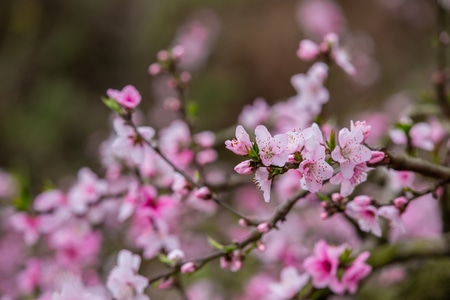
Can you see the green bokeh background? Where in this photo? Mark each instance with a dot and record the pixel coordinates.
(58, 57)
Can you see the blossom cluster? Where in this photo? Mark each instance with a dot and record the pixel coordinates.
(162, 187)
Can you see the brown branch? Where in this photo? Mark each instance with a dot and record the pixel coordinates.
(279, 215)
(408, 163)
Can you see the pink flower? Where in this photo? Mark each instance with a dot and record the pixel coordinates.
(49, 200)
(323, 266)
(365, 128)
(205, 139)
(176, 255)
(271, 149)
(339, 55)
(311, 92)
(364, 213)
(308, 50)
(72, 288)
(128, 97)
(130, 202)
(253, 115)
(319, 17)
(314, 169)
(350, 151)
(357, 271)
(129, 145)
(392, 214)
(87, 190)
(152, 241)
(349, 184)
(123, 281)
(27, 224)
(241, 145)
(29, 278)
(420, 135)
(291, 282)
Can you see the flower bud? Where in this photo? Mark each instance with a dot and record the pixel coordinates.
(203, 193)
(376, 157)
(188, 267)
(163, 55)
(154, 69)
(261, 246)
(243, 223)
(263, 227)
(185, 76)
(178, 52)
(176, 255)
(244, 168)
(400, 202)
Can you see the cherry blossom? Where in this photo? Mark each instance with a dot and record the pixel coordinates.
(314, 169)
(291, 282)
(361, 209)
(323, 266)
(350, 151)
(128, 97)
(271, 149)
(241, 145)
(123, 281)
(128, 144)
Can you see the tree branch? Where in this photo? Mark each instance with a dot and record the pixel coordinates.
(279, 215)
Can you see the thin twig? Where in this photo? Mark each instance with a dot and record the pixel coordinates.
(278, 216)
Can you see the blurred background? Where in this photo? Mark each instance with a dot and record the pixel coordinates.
(58, 57)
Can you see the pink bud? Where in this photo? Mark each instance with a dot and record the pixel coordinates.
(205, 139)
(308, 50)
(243, 223)
(261, 246)
(154, 69)
(376, 157)
(171, 83)
(203, 193)
(163, 55)
(188, 267)
(400, 202)
(172, 104)
(336, 197)
(185, 76)
(324, 216)
(244, 168)
(263, 227)
(176, 255)
(323, 204)
(178, 52)
(165, 284)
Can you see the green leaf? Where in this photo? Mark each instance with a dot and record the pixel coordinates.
(332, 142)
(215, 244)
(345, 256)
(112, 104)
(253, 154)
(229, 248)
(23, 201)
(323, 197)
(191, 110)
(164, 259)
